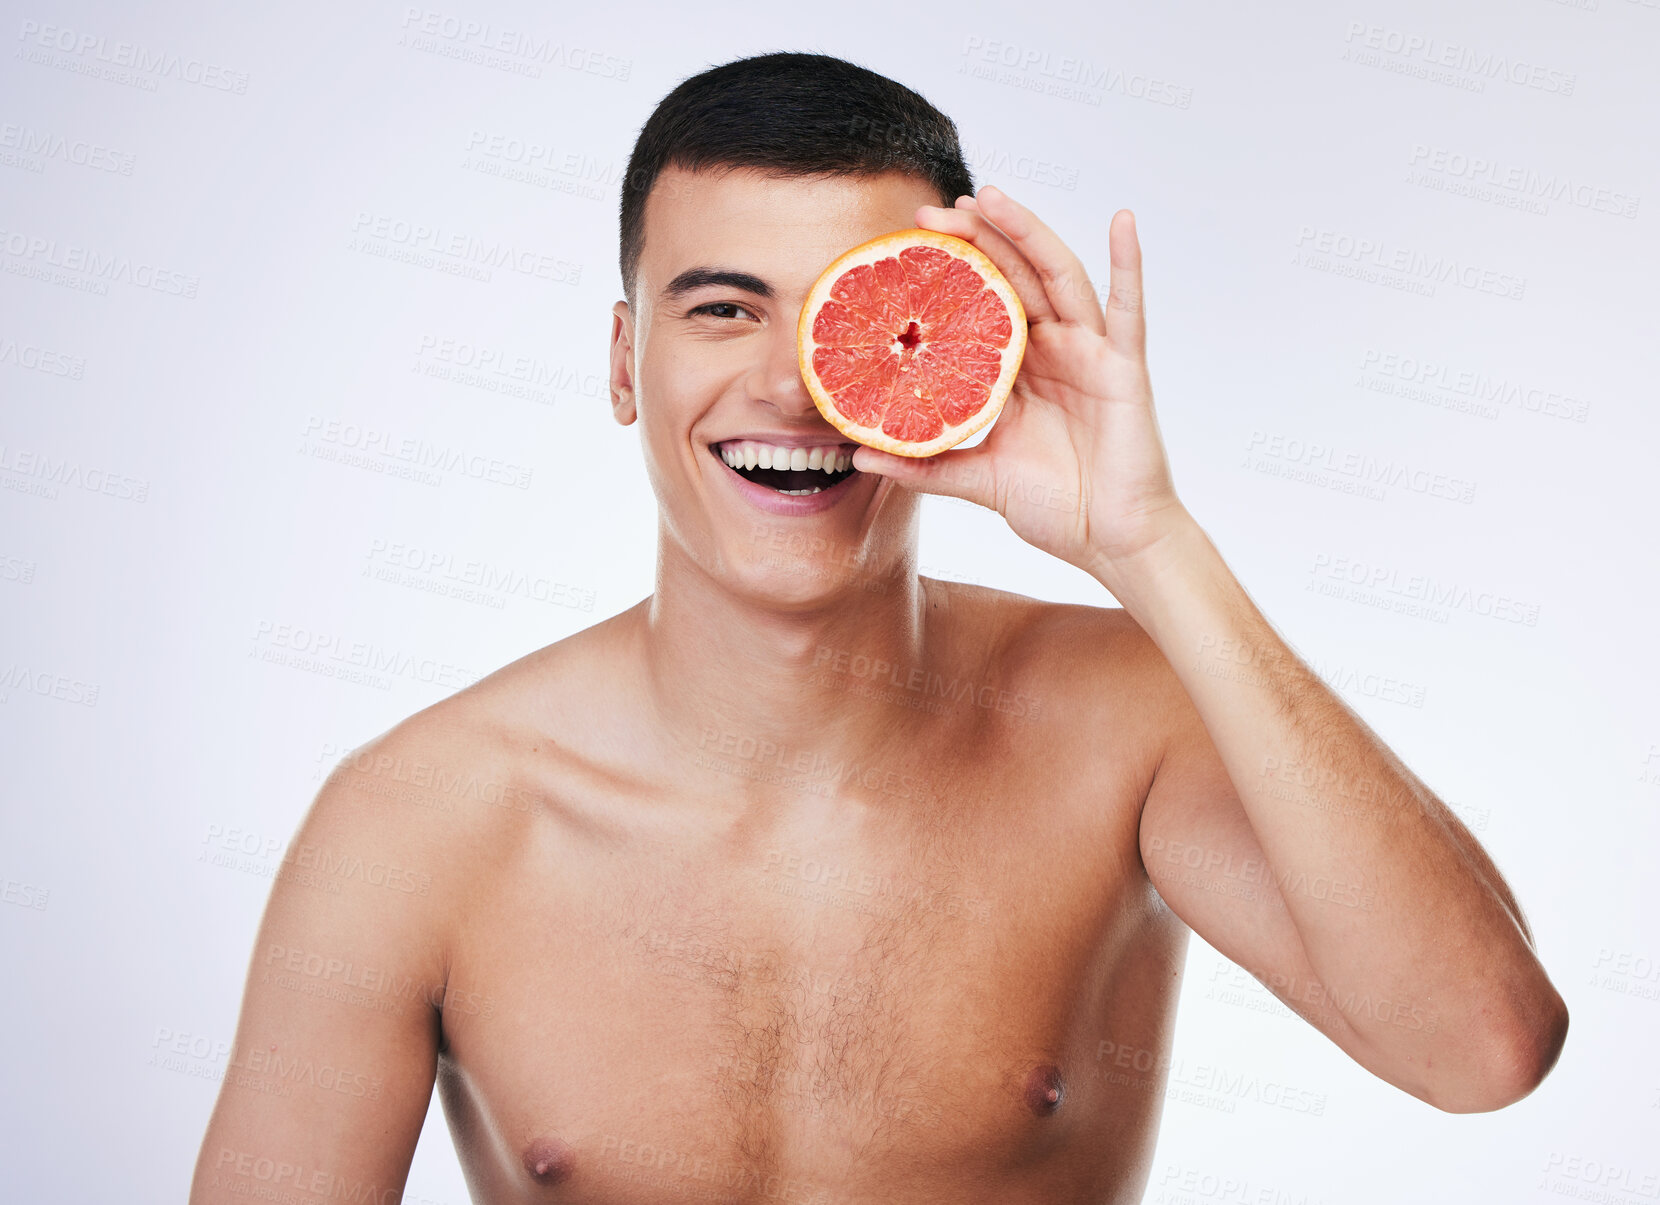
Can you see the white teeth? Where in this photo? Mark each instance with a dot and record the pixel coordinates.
(752, 454)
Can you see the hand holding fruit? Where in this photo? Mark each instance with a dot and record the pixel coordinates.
(1074, 463)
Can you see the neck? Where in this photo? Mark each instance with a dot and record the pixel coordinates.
(779, 688)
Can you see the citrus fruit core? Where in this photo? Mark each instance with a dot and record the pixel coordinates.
(910, 343)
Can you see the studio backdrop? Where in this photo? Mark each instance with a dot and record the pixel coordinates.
(304, 425)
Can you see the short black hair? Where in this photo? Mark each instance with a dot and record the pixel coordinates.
(794, 114)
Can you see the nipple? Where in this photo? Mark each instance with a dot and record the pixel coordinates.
(1045, 1089)
(549, 1160)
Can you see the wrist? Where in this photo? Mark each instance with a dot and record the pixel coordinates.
(1162, 582)
(1169, 535)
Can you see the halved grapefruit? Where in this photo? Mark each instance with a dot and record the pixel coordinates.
(910, 343)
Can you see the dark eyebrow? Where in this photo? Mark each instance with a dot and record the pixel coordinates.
(697, 278)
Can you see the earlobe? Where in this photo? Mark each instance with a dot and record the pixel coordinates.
(622, 364)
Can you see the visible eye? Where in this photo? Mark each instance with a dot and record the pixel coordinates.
(720, 305)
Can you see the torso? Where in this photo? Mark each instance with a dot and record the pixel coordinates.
(939, 976)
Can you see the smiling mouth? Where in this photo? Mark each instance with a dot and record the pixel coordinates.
(777, 468)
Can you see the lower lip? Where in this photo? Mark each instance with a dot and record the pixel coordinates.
(775, 503)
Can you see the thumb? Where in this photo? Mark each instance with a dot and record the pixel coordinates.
(960, 473)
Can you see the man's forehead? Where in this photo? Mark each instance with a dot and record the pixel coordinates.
(778, 227)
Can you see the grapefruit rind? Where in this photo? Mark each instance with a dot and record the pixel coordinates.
(888, 246)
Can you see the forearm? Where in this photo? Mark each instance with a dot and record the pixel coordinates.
(1388, 893)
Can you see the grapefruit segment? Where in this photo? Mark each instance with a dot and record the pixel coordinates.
(911, 342)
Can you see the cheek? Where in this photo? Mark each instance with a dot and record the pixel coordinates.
(673, 393)
(680, 384)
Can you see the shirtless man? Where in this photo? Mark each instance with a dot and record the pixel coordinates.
(809, 879)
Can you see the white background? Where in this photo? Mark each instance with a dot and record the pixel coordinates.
(179, 525)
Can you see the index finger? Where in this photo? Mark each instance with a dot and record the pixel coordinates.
(967, 222)
(1065, 282)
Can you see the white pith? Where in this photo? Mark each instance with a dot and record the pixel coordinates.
(885, 247)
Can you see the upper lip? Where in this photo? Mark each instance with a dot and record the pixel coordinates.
(833, 440)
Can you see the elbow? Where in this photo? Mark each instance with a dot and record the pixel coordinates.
(1518, 1056)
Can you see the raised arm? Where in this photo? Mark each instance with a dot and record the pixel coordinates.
(337, 1043)
(1365, 887)
(1290, 837)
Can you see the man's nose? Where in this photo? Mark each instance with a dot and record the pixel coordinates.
(777, 380)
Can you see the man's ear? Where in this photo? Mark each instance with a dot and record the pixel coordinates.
(622, 364)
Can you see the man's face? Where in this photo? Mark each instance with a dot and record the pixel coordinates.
(707, 363)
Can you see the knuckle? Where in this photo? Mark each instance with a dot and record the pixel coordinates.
(1126, 299)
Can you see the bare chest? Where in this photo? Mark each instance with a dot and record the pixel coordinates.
(824, 1011)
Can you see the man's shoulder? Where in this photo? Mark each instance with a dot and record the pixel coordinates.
(528, 697)
(1083, 656)
(453, 775)
(1059, 635)
(409, 823)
